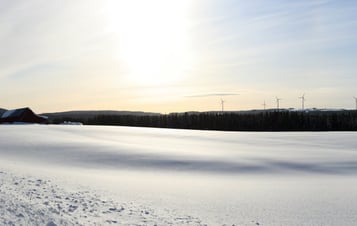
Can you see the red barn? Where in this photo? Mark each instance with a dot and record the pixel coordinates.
(21, 115)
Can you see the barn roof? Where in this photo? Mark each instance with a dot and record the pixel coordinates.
(14, 112)
(25, 115)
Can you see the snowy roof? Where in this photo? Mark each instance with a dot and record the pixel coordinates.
(13, 113)
(7, 113)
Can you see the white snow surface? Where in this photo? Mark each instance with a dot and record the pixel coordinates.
(95, 175)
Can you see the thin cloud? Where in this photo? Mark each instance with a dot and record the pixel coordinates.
(213, 95)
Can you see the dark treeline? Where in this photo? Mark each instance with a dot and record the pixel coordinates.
(263, 121)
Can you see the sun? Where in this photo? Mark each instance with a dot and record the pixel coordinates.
(152, 39)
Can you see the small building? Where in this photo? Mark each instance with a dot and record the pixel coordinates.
(22, 115)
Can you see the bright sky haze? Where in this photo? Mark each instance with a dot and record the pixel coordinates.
(177, 55)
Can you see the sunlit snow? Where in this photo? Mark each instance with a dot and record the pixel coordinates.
(63, 175)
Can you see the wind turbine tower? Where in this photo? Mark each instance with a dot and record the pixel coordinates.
(355, 101)
(278, 102)
(264, 104)
(222, 104)
(302, 101)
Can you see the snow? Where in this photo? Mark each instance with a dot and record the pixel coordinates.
(31, 201)
(96, 175)
(72, 123)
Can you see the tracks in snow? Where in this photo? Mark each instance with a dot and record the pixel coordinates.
(35, 201)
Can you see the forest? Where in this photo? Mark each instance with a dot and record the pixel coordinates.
(345, 120)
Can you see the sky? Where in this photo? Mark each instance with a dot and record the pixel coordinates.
(177, 55)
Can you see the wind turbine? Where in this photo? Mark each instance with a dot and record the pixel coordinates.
(222, 103)
(264, 104)
(277, 102)
(355, 101)
(302, 101)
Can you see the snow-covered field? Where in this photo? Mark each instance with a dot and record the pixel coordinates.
(92, 175)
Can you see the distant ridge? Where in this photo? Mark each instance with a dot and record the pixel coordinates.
(90, 114)
(85, 115)
(259, 111)
(101, 112)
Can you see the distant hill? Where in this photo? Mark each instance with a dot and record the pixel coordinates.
(282, 120)
(259, 111)
(231, 112)
(83, 116)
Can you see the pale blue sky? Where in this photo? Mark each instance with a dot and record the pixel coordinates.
(167, 56)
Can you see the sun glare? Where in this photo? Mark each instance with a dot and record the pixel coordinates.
(152, 39)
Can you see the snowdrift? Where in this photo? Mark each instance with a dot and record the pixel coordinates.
(64, 175)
